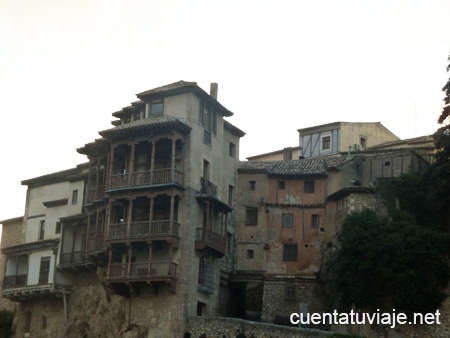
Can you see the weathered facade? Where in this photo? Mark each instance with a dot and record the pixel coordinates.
(142, 233)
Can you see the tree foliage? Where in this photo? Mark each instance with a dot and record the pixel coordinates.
(6, 321)
(390, 264)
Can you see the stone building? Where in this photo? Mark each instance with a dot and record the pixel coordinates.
(281, 234)
(140, 237)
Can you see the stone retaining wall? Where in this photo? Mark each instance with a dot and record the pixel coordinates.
(218, 327)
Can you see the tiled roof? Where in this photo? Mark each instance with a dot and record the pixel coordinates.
(145, 125)
(183, 87)
(254, 157)
(304, 167)
(299, 167)
(99, 145)
(167, 88)
(408, 143)
(56, 177)
(256, 167)
(235, 130)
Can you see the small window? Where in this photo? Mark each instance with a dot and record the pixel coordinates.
(287, 220)
(363, 142)
(387, 163)
(290, 252)
(251, 185)
(74, 197)
(322, 229)
(251, 216)
(326, 143)
(157, 109)
(289, 292)
(230, 195)
(315, 221)
(41, 230)
(309, 187)
(250, 254)
(232, 149)
(58, 228)
(281, 185)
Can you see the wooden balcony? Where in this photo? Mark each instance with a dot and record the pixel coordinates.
(207, 187)
(14, 281)
(206, 238)
(145, 229)
(145, 178)
(74, 260)
(95, 243)
(96, 193)
(142, 272)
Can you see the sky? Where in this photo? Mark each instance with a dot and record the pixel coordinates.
(66, 66)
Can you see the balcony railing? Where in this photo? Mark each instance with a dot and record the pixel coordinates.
(95, 243)
(144, 229)
(140, 178)
(207, 187)
(14, 281)
(72, 258)
(206, 237)
(143, 270)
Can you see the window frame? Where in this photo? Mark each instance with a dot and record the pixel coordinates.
(289, 253)
(285, 216)
(74, 196)
(251, 216)
(310, 186)
(41, 233)
(323, 139)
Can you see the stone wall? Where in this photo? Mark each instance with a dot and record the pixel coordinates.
(217, 327)
(276, 301)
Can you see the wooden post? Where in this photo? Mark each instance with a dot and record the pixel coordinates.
(129, 260)
(149, 263)
(131, 171)
(152, 161)
(174, 142)
(150, 216)
(108, 270)
(111, 164)
(172, 211)
(130, 216)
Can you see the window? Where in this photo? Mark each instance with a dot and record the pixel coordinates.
(250, 254)
(41, 230)
(230, 195)
(281, 185)
(387, 163)
(290, 252)
(315, 221)
(309, 187)
(363, 142)
(58, 228)
(44, 270)
(206, 275)
(251, 216)
(232, 149)
(206, 170)
(326, 142)
(155, 109)
(251, 185)
(287, 220)
(74, 197)
(289, 292)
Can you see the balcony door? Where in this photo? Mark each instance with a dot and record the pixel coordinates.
(44, 270)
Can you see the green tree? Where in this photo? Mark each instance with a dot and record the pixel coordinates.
(390, 264)
(6, 321)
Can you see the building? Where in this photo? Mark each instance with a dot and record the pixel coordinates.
(333, 138)
(147, 222)
(281, 235)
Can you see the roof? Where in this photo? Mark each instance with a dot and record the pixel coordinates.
(162, 123)
(183, 87)
(350, 190)
(235, 130)
(56, 177)
(416, 142)
(304, 167)
(271, 153)
(324, 127)
(12, 220)
(99, 145)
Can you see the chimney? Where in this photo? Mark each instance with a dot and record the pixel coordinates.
(287, 153)
(213, 90)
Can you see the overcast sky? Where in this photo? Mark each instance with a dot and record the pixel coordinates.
(66, 65)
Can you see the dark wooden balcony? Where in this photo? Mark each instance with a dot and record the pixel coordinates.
(15, 281)
(95, 243)
(96, 193)
(207, 187)
(206, 238)
(144, 271)
(145, 178)
(74, 260)
(145, 229)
